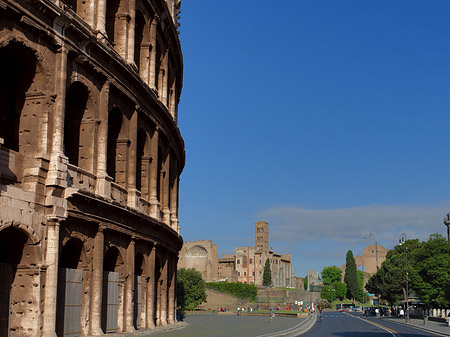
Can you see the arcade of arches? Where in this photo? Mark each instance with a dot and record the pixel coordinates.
(90, 160)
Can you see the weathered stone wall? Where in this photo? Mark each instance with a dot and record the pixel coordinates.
(202, 256)
(90, 158)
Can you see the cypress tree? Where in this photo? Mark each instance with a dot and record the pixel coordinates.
(351, 276)
(267, 275)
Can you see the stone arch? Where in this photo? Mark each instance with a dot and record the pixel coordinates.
(73, 254)
(20, 280)
(22, 87)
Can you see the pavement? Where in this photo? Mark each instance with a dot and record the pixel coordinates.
(432, 326)
(208, 325)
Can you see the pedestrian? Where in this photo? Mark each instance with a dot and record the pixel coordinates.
(402, 313)
(377, 312)
(238, 311)
(271, 315)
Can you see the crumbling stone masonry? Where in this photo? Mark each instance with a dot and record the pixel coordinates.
(90, 159)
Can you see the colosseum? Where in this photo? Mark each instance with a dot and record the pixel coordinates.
(90, 159)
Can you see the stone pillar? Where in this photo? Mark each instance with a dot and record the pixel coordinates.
(150, 294)
(97, 283)
(121, 34)
(172, 103)
(129, 288)
(103, 184)
(174, 202)
(153, 193)
(144, 62)
(152, 65)
(58, 162)
(165, 183)
(51, 279)
(101, 18)
(164, 286)
(131, 176)
(172, 288)
(131, 31)
(165, 80)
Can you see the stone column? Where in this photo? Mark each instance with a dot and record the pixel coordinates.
(172, 288)
(165, 182)
(172, 102)
(58, 162)
(174, 201)
(164, 284)
(131, 176)
(103, 185)
(150, 294)
(129, 288)
(101, 18)
(165, 80)
(152, 65)
(144, 62)
(121, 34)
(97, 283)
(131, 31)
(51, 279)
(154, 202)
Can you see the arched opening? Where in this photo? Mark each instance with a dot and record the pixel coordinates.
(18, 292)
(70, 288)
(138, 37)
(76, 100)
(112, 8)
(138, 293)
(112, 264)
(114, 126)
(18, 69)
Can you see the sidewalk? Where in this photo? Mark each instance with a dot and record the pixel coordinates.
(432, 326)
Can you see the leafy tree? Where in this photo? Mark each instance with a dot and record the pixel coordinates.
(331, 274)
(429, 271)
(350, 276)
(360, 294)
(267, 274)
(190, 288)
(336, 291)
(341, 290)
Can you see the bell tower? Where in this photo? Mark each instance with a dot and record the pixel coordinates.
(261, 236)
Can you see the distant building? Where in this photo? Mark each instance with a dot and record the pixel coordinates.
(250, 261)
(371, 260)
(202, 256)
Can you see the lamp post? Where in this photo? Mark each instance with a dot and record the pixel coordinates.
(372, 237)
(402, 240)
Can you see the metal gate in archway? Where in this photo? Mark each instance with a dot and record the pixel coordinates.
(110, 302)
(6, 278)
(70, 290)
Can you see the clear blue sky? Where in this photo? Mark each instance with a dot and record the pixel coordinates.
(327, 119)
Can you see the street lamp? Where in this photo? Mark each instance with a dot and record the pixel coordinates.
(402, 240)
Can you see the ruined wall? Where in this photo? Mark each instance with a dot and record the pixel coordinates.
(90, 159)
(202, 256)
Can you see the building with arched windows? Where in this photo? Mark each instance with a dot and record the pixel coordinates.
(90, 159)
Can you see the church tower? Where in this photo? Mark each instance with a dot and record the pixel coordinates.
(261, 236)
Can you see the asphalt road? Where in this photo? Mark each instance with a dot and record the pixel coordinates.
(337, 324)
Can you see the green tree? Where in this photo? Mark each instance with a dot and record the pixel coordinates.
(350, 276)
(331, 274)
(267, 274)
(190, 288)
(429, 270)
(341, 290)
(305, 282)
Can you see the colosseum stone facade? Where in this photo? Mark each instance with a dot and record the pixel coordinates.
(90, 159)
